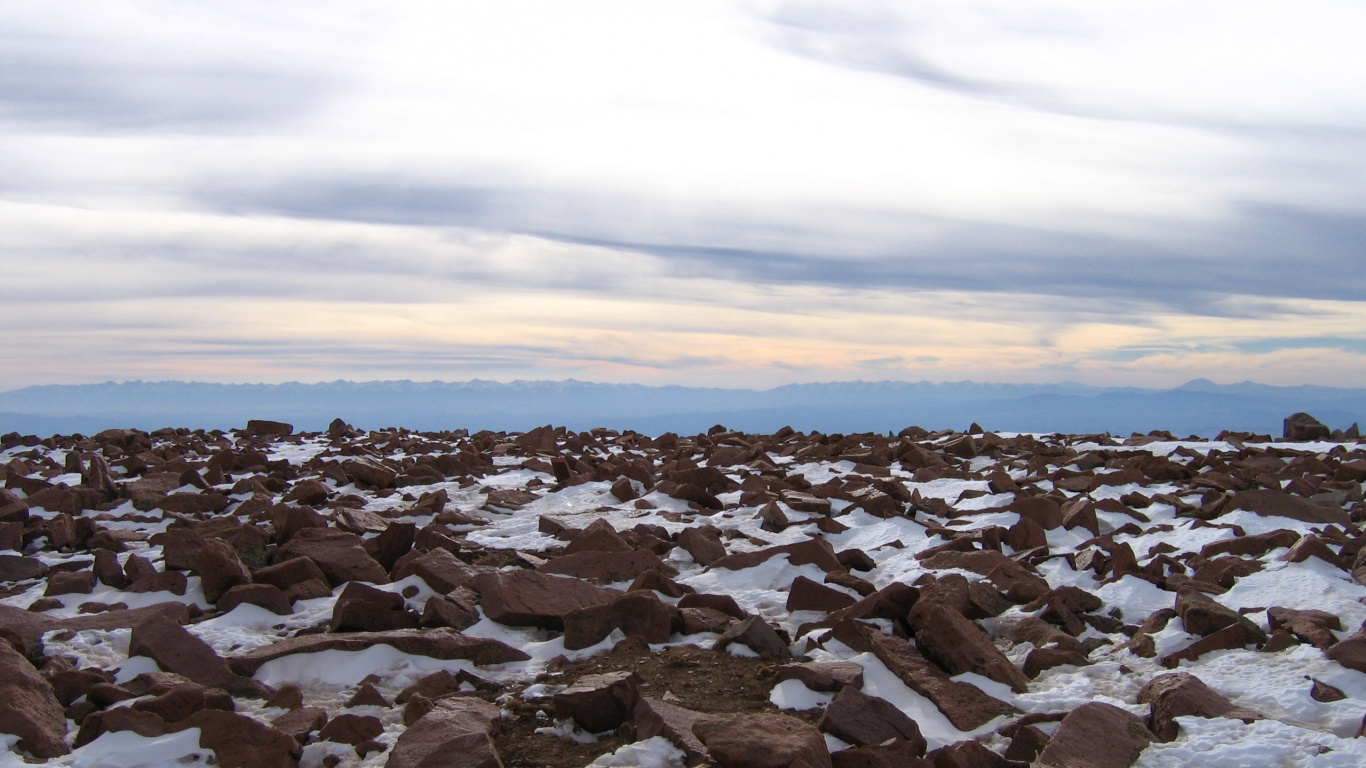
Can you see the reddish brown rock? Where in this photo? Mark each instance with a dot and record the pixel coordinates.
(966, 706)
(814, 551)
(634, 613)
(807, 595)
(1303, 428)
(370, 472)
(894, 754)
(599, 536)
(1203, 616)
(758, 636)
(442, 571)
(70, 583)
(705, 620)
(300, 722)
(1310, 626)
(361, 607)
(723, 603)
(703, 544)
(532, 599)
(823, 675)
(290, 572)
(219, 569)
(174, 649)
(608, 567)
(241, 742)
(958, 645)
(266, 596)
(434, 643)
(761, 741)
(1231, 637)
(653, 717)
(864, 720)
(1178, 694)
(600, 703)
(29, 708)
(455, 732)
(1096, 735)
(12, 508)
(1269, 503)
(1041, 659)
(457, 610)
(310, 492)
(347, 728)
(338, 554)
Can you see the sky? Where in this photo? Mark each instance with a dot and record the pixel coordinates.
(737, 194)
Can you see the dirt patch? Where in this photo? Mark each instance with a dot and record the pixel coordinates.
(691, 677)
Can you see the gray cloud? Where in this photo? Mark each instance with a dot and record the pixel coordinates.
(1265, 251)
(56, 77)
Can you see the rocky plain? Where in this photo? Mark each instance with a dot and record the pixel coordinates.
(262, 597)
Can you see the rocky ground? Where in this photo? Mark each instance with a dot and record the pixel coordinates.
(550, 598)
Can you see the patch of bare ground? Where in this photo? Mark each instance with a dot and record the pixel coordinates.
(691, 677)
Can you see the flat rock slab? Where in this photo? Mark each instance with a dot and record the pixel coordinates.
(1096, 735)
(432, 643)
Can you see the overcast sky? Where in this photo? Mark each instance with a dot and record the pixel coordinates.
(738, 194)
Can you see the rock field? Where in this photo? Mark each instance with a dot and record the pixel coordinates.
(262, 598)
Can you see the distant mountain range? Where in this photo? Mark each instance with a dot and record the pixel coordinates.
(1199, 407)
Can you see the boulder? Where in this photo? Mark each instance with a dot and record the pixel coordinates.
(29, 708)
(865, 720)
(808, 595)
(242, 742)
(823, 675)
(174, 649)
(532, 599)
(758, 636)
(361, 607)
(338, 554)
(608, 567)
(442, 644)
(634, 613)
(1096, 735)
(1180, 694)
(761, 741)
(601, 702)
(456, 732)
(1203, 616)
(370, 472)
(957, 645)
(266, 596)
(219, 569)
(442, 571)
(1269, 503)
(653, 717)
(1303, 428)
(599, 536)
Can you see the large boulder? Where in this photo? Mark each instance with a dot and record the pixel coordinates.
(1179, 694)
(1096, 735)
(339, 555)
(601, 702)
(455, 733)
(864, 720)
(442, 644)
(28, 707)
(531, 599)
(761, 741)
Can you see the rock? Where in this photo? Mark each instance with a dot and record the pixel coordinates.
(660, 583)
(1041, 659)
(704, 620)
(444, 644)
(634, 613)
(807, 595)
(958, 645)
(174, 701)
(609, 567)
(761, 741)
(601, 702)
(300, 722)
(370, 472)
(442, 571)
(266, 596)
(310, 492)
(363, 608)
(823, 675)
(367, 696)
(107, 569)
(865, 720)
(532, 599)
(338, 554)
(965, 705)
(286, 574)
(1268, 503)
(1232, 637)
(1096, 735)
(264, 428)
(70, 583)
(455, 733)
(29, 708)
(1303, 428)
(703, 544)
(1310, 626)
(1255, 545)
(1202, 616)
(758, 636)
(12, 508)
(813, 551)
(219, 569)
(1179, 694)
(457, 610)
(395, 541)
(723, 603)
(893, 754)
(653, 717)
(347, 728)
(241, 742)
(599, 536)
(624, 490)
(174, 649)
